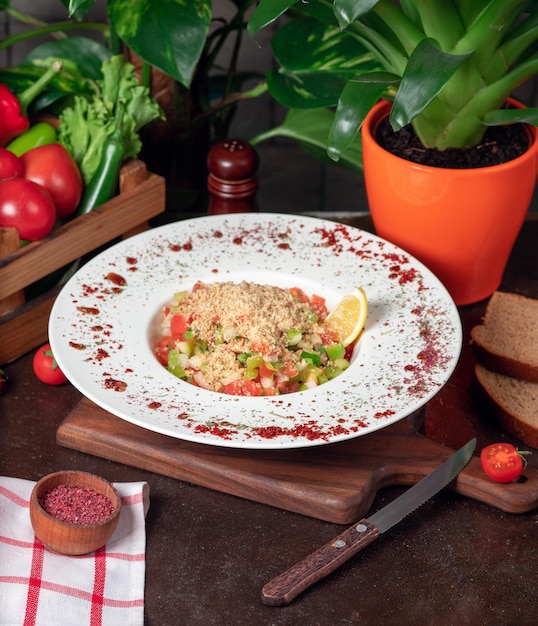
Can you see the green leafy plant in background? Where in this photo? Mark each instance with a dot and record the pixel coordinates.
(448, 67)
(179, 50)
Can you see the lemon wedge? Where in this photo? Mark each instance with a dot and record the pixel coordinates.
(347, 319)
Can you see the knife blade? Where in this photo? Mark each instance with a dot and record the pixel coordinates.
(285, 587)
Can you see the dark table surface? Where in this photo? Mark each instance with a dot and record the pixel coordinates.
(453, 561)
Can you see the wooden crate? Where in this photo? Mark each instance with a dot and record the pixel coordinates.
(24, 325)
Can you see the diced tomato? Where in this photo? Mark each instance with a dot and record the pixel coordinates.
(328, 338)
(162, 349)
(318, 306)
(266, 372)
(178, 325)
(319, 309)
(243, 388)
(288, 387)
(299, 294)
(315, 299)
(289, 369)
(259, 346)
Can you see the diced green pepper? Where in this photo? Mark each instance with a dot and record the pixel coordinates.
(343, 364)
(174, 366)
(250, 374)
(254, 361)
(186, 347)
(332, 371)
(272, 366)
(311, 357)
(199, 346)
(293, 337)
(310, 372)
(335, 351)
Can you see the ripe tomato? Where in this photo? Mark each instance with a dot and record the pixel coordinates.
(27, 207)
(10, 165)
(178, 325)
(266, 372)
(52, 167)
(46, 368)
(298, 293)
(502, 462)
(243, 388)
(162, 349)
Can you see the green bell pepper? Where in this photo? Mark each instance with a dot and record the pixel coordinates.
(39, 134)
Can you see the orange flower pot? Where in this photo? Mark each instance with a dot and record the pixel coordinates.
(462, 224)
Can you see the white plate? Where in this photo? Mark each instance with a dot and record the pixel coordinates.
(101, 333)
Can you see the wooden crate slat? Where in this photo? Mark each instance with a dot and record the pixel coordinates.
(9, 242)
(81, 236)
(24, 326)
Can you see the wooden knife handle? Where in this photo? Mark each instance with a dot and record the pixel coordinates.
(288, 585)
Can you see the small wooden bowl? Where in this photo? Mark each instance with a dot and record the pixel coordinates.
(66, 537)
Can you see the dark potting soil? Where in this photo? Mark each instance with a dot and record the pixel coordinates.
(499, 145)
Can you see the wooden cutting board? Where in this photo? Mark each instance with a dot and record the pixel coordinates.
(335, 482)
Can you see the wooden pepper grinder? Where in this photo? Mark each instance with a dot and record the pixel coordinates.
(232, 181)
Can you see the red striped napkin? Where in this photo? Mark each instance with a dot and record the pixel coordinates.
(40, 587)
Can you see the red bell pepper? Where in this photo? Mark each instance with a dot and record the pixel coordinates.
(13, 118)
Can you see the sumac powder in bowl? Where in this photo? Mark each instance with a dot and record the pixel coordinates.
(74, 512)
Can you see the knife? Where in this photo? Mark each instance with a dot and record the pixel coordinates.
(285, 587)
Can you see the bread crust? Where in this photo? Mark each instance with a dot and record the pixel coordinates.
(488, 338)
(497, 405)
(504, 364)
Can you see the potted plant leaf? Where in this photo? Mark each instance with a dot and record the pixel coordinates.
(439, 75)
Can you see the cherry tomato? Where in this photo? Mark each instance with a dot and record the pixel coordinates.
(10, 165)
(52, 167)
(28, 207)
(502, 462)
(46, 368)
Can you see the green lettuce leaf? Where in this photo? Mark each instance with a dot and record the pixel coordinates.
(85, 126)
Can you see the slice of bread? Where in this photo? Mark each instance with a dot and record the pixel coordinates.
(507, 340)
(513, 402)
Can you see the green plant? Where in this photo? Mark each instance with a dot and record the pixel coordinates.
(447, 65)
(184, 41)
(179, 47)
(186, 52)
